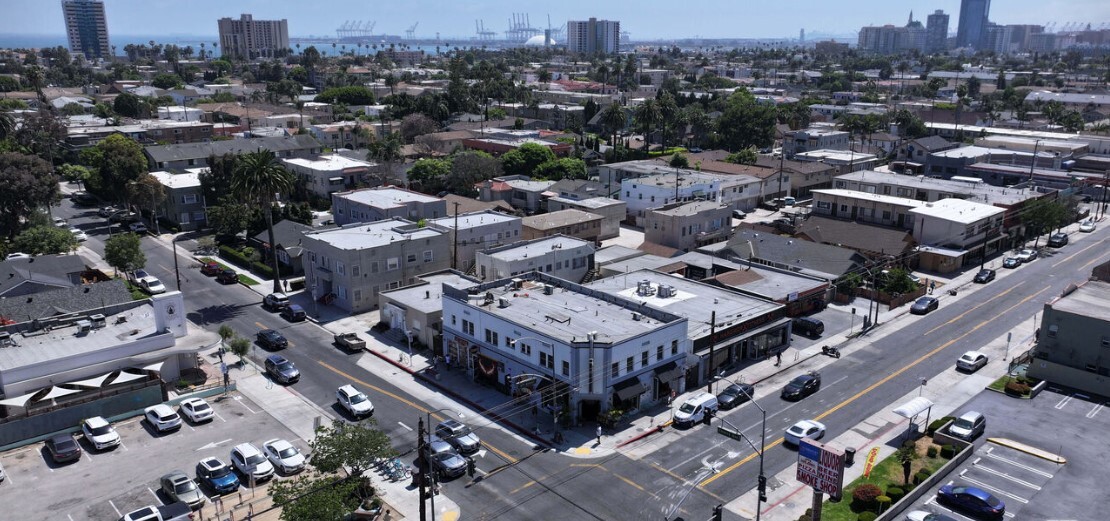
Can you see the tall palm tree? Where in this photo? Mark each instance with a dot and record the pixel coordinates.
(37, 77)
(7, 125)
(646, 116)
(260, 178)
(614, 119)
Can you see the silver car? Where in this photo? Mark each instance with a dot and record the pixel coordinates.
(179, 487)
(459, 436)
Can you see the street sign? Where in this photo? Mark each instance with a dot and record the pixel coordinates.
(729, 433)
(821, 467)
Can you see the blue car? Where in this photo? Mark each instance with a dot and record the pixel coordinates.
(971, 500)
(217, 475)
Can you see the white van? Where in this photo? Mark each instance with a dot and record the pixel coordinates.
(694, 409)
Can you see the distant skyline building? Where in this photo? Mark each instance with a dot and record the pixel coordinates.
(248, 38)
(87, 28)
(936, 32)
(972, 29)
(890, 39)
(593, 36)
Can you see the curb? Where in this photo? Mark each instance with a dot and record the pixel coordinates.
(644, 434)
(1032, 451)
(485, 412)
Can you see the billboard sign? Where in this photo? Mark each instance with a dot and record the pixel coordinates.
(821, 467)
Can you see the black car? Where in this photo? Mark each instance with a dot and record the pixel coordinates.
(271, 339)
(924, 305)
(735, 395)
(1058, 240)
(281, 369)
(971, 500)
(808, 326)
(227, 276)
(984, 276)
(802, 386)
(63, 448)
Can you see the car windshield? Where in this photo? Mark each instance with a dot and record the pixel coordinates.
(255, 459)
(358, 398)
(287, 453)
(687, 408)
(184, 486)
(64, 444)
(100, 431)
(994, 502)
(220, 472)
(963, 424)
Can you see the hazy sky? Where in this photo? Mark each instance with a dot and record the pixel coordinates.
(455, 18)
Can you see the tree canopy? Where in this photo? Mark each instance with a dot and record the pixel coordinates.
(525, 159)
(562, 168)
(116, 161)
(27, 183)
(353, 95)
(45, 240)
(745, 122)
(123, 252)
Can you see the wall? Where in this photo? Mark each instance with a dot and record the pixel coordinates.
(136, 398)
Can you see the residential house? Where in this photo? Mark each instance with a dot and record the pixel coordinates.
(457, 204)
(685, 226)
(349, 266)
(612, 212)
(519, 191)
(660, 185)
(807, 140)
(188, 155)
(473, 232)
(560, 256)
(875, 242)
(810, 258)
(38, 274)
(844, 162)
(569, 222)
(146, 132)
(386, 202)
(289, 239)
(342, 134)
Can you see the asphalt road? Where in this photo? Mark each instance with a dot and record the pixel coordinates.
(517, 482)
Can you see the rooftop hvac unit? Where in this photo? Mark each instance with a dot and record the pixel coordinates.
(502, 302)
(518, 283)
(666, 291)
(636, 317)
(643, 288)
(548, 289)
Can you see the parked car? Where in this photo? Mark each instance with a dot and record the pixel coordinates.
(271, 339)
(123, 216)
(735, 395)
(197, 410)
(162, 418)
(356, 403)
(171, 512)
(1011, 262)
(178, 487)
(107, 211)
(249, 461)
(151, 285)
(275, 301)
(63, 448)
(813, 430)
(924, 305)
(984, 276)
(349, 341)
(99, 433)
(217, 476)
(284, 456)
(921, 515)
(18, 255)
(968, 426)
(227, 276)
(808, 326)
(82, 198)
(294, 313)
(1058, 240)
(448, 465)
(60, 222)
(971, 500)
(739, 214)
(281, 369)
(459, 436)
(1027, 255)
(137, 228)
(78, 234)
(1087, 226)
(211, 268)
(971, 361)
(802, 386)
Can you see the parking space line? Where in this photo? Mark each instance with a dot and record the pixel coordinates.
(1009, 477)
(113, 505)
(1020, 465)
(1095, 410)
(239, 400)
(154, 494)
(993, 489)
(406, 427)
(1064, 401)
(220, 417)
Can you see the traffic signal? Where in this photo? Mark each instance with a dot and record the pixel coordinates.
(718, 511)
(762, 489)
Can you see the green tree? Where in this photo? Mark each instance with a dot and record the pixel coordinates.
(316, 498)
(414, 125)
(469, 168)
(352, 448)
(123, 252)
(239, 347)
(27, 183)
(679, 160)
(45, 240)
(225, 333)
(385, 151)
(646, 116)
(355, 95)
(747, 156)
(74, 173)
(525, 159)
(130, 106)
(562, 168)
(746, 122)
(117, 161)
(148, 191)
(41, 133)
(166, 81)
(259, 178)
(613, 120)
(72, 109)
(430, 175)
(1042, 215)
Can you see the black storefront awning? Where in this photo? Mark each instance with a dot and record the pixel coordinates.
(669, 372)
(629, 389)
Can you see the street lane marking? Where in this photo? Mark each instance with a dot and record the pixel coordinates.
(408, 402)
(239, 400)
(872, 387)
(406, 427)
(1069, 257)
(962, 315)
(113, 505)
(1095, 411)
(522, 487)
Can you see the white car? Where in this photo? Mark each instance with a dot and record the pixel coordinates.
(78, 234)
(356, 403)
(1027, 255)
(921, 515)
(152, 285)
(1087, 226)
(284, 456)
(18, 255)
(804, 429)
(100, 433)
(60, 222)
(250, 462)
(197, 410)
(971, 361)
(162, 418)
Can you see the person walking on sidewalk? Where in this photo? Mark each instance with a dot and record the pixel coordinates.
(778, 358)
(599, 434)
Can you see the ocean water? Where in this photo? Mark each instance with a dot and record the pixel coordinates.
(38, 41)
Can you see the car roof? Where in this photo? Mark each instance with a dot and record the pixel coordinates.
(96, 421)
(349, 390)
(451, 423)
(176, 475)
(277, 359)
(159, 408)
(973, 354)
(971, 415)
(278, 443)
(193, 401)
(212, 463)
(805, 424)
(246, 449)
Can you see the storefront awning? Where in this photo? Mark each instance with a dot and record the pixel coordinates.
(629, 389)
(669, 372)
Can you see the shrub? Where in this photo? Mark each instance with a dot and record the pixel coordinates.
(919, 478)
(867, 516)
(931, 451)
(1017, 388)
(235, 257)
(909, 444)
(895, 494)
(927, 472)
(866, 493)
(947, 451)
(938, 423)
(884, 503)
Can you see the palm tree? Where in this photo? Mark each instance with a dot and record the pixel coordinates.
(36, 76)
(902, 68)
(299, 103)
(386, 150)
(259, 177)
(614, 119)
(7, 125)
(646, 115)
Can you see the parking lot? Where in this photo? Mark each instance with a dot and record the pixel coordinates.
(106, 485)
(1062, 423)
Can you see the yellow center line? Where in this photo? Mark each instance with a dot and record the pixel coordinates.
(522, 487)
(633, 483)
(962, 315)
(872, 387)
(1069, 257)
(408, 402)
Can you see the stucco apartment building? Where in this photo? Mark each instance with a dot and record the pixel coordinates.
(1073, 339)
(612, 212)
(329, 173)
(473, 232)
(686, 226)
(569, 222)
(387, 202)
(347, 267)
(806, 140)
(184, 202)
(657, 188)
(564, 257)
(188, 155)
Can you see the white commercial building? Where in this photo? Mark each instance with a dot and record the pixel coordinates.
(247, 38)
(375, 204)
(658, 189)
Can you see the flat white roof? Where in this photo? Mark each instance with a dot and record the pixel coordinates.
(328, 163)
(958, 210)
(838, 155)
(385, 197)
(363, 236)
(879, 198)
(471, 220)
(536, 248)
(171, 180)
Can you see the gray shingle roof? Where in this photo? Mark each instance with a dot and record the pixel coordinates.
(41, 273)
(68, 300)
(186, 151)
(818, 259)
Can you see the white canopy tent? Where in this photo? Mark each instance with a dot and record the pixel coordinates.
(913, 408)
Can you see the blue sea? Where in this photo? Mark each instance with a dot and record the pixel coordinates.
(39, 41)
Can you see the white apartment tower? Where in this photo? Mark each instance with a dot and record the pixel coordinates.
(248, 38)
(87, 28)
(593, 36)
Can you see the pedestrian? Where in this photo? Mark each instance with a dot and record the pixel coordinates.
(778, 358)
(447, 359)
(932, 286)
(599, 434)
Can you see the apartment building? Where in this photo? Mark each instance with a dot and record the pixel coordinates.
(686, 226)
(657, 187)
(955, 232)
(1073, 339)
(593, 36)
(569, 222)
(612, 212)
(560, 256)
(330, 173)
(188, 155)
(145, 132)
(184, 201)
(473, 232)
(247, 38)
(347, 267)
(797, 141)
(386, 202)
(87, 28)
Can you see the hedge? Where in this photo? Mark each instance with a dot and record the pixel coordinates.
(867, 516)
(895, 493)
(866, 493)
(947, 451)
(931, 451)
(884, 502)
(938, 423)
(235, 257)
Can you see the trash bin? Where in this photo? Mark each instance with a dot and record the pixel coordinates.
(849, 457)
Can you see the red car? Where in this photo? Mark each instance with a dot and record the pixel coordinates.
(210, 269)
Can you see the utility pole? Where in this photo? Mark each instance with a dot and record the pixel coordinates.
(420, 447)
(782, 159)
(455, 255)
(1033, 161)
(712, 341)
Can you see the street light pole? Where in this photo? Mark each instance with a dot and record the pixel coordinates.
(430, 474)
(761, 488)
(176, 271)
